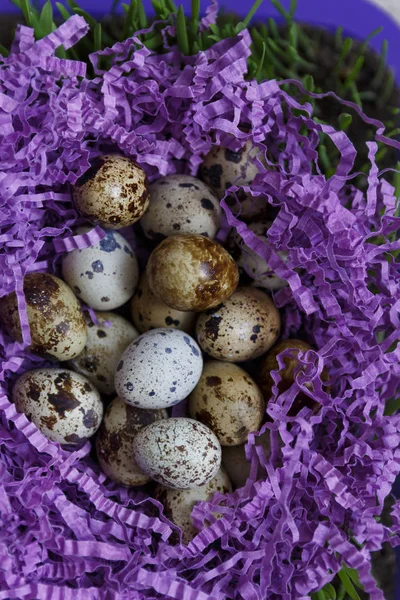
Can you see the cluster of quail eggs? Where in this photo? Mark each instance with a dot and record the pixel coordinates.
(190, 324)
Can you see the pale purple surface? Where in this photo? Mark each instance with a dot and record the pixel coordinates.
(65, 531)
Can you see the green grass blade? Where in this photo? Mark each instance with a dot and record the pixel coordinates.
(114, 6)
(72, 4)
(4, 51)
(339, 37)
(27, 12)
(46, 18)
(392, 407)
(142, 15)
(97, 33)
(170, 4)
(252, 12)
(381, 70)
(354, 72)
(367, 40)
(17, 3)
(129, 23)
(345, 121)
(281, 10)
(181, 32)
(348, 585)
(261, 62)
(88, 18)
(293, 7)
(63, 11)
(195, 9)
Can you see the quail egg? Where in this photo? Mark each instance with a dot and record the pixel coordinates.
(191, 273)
(178, 452)
(56, 321)
(112, 192)
(236, 464)
(114, 442)
(62, 404)
(105, 275)
(228, 401)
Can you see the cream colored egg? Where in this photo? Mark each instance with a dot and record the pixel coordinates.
(228, 401)
(112, 192)
(105, 344)
(56, 320)
(62, 404)
(178, 504)
(105, 275)
(149, 312)
(254, 265)
(114, 442)
(191, 273)
(236, 464)
(242, 328)
(181, 204)
(178, 452)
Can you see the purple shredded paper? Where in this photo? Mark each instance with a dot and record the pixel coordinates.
(68, 532)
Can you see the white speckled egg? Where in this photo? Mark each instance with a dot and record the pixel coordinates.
(178, 504)
(228, 401)
(150, 312)
(112, 192)
(236, 464)
(242, 328)
(159, 369)
(105, 344)
(64, 405)
(254, 265)
(114, 442)
(222, 168)
(105, 275)
(55, 317)
(178, 452)
(181, 204)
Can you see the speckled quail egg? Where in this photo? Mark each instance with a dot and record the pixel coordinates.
(242, 328)
(181, 204)
(178, 504)
(236, 464)
(178, 452)
(190, 272)
(228, 401)
(159, 369)
(105, 275)
(112, 192)
(104, 347)
(254, 265)
(149, 312)
(114, 442)
(56, 321)
(62, 404)
(222, 168)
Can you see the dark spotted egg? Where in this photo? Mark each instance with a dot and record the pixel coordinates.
(114, 441)
(242, 328)
(228, 401)
(62, 404)
(181, 204)
(56, 321)
(178, 452)
(158, 369)
(106, 342)
(112, 192)
(105, 275)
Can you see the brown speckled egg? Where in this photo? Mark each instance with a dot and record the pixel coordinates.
(178, 452)
(235, 462)
(149, 312)
(112, 192)
(56, 321)
(62, 404)
(114, 443)
(181, 204)
(228, 401)
(255, 266)
(178, 504)
(190, 272)
(105, 344)
(222, 168)
(242, 328)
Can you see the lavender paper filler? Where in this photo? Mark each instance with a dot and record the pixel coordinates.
(68, 532)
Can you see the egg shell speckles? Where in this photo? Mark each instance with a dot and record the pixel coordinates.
(62, 404)
(222, 168)
(228, 401)
(178, 452)
(181, 204)
(242, 328)
(178, 504)
(105, 275)
(236, 464)
(159, 369)
(191, 273)
(105, 344)
(149, 312)
(56, 320)
(255, 266)
(112, 192)
(114, 442)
